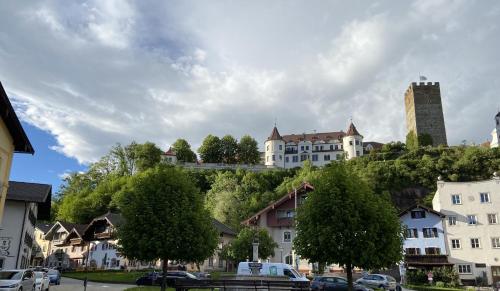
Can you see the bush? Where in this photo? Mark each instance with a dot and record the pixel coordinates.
(440, 284)
(445, 275)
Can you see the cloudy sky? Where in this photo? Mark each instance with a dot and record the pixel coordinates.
(84, 75)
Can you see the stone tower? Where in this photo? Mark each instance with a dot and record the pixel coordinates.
(424, 111)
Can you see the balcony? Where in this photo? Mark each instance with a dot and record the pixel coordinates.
(291, 151)
(75, 241)
(423, 260)
(58, 242)
(103, 235)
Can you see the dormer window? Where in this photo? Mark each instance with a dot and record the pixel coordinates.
(418, 214)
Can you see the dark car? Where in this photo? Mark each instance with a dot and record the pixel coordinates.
(54, 276)
(155, 278)
(332, 283)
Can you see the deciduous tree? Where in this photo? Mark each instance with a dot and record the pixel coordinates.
(229, 149)
(241, 248)
(343, 222)
(183, 151)
(248, 151)
(165, 219)
(211, 149)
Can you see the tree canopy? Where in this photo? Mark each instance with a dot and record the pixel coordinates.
(229, 149)
(211, 149)
(241, 248)
(165, 218)
(248, 151)
(183, 151)
(343, 222)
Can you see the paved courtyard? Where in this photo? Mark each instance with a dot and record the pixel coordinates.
(68, 284)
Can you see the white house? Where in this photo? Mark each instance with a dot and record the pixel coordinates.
(472, 226)
(425, 240)
(290, 151)
(101, 236)
(26, 202)
(62, 251)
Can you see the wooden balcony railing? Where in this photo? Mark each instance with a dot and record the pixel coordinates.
(426, 259)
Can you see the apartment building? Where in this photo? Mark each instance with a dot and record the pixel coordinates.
(472, 227)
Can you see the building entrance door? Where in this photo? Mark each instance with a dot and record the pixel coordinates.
(495, 273)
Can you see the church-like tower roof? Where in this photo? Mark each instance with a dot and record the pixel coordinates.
(275, 135)
(352, 131)
(498, 114)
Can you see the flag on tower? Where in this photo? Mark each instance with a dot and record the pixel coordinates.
(423, 78)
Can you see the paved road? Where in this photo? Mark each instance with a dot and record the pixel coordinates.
(68, 284)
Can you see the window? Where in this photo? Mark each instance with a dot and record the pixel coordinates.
(211, 262)
(326, 157)
(316, 148)
(280, 147)
(357, 142)
(73, 249)
(221, 263)
(464, 269)
(287, 236)
(315, 158)
(331, 147)
(357, 153)
(452, 220)
(295, 159)
(411, 233)
(338, 156)
(492, 218)
(301, 148)
(432, 251)
(412, 251)
(495, 242)
(430, 232)
(281, 158)
(274, 158)
(350, 142)
(456, 199)
(418, 214)
(471, 219)
(267, 158)
(303, 158)
(267, 148)
(285, 214)
(485, 197)
(286, 160)
(474, 243)
(1, 263)
(455, 244)
(307, 148)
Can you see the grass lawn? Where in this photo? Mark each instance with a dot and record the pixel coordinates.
(432, 288)
(149, 288)
(106, 277)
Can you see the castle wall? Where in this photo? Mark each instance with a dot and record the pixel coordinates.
(424, 111)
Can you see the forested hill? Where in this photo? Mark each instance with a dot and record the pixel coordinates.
(232, 196)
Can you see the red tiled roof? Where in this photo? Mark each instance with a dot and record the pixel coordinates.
(352, 130)
(312, 137)
(275, 135)
(170, 152)
(374, 144)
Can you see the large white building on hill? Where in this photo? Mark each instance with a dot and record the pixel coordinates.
(290, 151)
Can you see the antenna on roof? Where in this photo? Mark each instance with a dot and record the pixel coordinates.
(275, 120)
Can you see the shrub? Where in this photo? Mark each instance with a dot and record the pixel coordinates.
(440, 284)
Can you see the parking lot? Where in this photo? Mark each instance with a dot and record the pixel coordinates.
(68, 284)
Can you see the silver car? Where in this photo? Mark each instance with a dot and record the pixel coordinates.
(385, 282)
(42, 281)
(17, 280)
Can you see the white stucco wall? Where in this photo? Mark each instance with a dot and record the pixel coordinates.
(483, 230)
(431, 220)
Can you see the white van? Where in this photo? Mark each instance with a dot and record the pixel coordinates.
(271, 269)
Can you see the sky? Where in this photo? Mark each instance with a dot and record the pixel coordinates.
(85, 75)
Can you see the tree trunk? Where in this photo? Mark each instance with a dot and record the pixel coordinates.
(349, 277)
(164, 278)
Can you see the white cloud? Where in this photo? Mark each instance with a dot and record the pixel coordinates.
(95, 73)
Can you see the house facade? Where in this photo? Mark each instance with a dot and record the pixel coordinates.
(25, 204)
(61, 252)
(290, 151)
(12, 139)
(215, 263)
(472, 226)
(40, 251)
(278, 219)
(101, 237)
(425, 240)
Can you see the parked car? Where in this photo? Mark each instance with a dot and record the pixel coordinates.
(16, 280)
(385, 282)
(155, 278)
(334, 283)
(54, 276)
(272, 269)
(42, 281)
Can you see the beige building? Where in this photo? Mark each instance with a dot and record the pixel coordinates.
(12, 139)
(472, 227)
(41, 246)
(66, 248)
